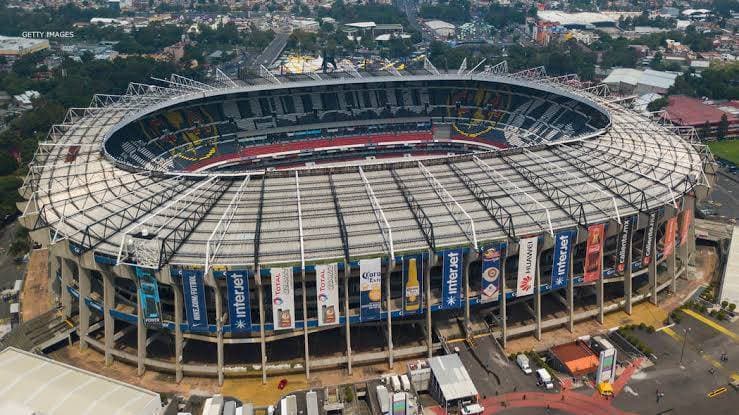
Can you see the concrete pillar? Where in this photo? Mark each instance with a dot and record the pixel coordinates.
(347, 274)
(468, 259)
(599, 284)
(84, 324)
(305, 325)
(628, 288)
(108, 321)
(427, 288)
(652, 272)
(64, 293)
(178, 341)
(503, 299)
(262, 341)
(571, 284)
(390, 267)
(219, 327)
(537, 297)
(140, 338)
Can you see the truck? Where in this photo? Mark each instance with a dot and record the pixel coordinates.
(383, 398)
(544, 378)
(523, 363)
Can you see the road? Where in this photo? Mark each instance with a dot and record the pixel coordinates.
(270, 54)
(9, 270)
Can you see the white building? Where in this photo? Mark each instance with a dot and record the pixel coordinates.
(635, 81)
(19, 46)
(441, 28)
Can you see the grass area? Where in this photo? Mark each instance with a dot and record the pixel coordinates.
(726, 149)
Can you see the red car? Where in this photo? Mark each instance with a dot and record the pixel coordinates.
(282, 384)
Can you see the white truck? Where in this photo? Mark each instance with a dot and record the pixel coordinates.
(383, 398)
(544, 378)
(523, 363)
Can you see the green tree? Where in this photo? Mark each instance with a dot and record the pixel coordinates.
(723, 127)
(657, 104)
(705, 130)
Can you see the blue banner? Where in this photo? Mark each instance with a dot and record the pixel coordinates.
(193, 289)
(491, 272)
(149, 297)
(451, 285)
(239, 309)
(561, 259)
(412, 284)
(370, 289)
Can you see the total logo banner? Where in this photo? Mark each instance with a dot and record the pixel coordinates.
(283, 301)
(327, 294)
(527, 256)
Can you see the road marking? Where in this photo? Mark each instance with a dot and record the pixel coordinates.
(717, 392)
(678, 338)
(670, 332)
(712, 324)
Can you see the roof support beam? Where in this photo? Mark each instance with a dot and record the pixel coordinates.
(387, 232)
(422, 219)
(258, 229)
(300, 220)
(339, 218)
(215, 240)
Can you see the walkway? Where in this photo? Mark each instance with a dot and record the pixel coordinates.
(568, 402)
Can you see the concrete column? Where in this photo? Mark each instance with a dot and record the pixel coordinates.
(390, 267)
(503, 300)
(305, 325)
(66, 282)
(537, 297)
(427, 288)
(628, 289)
(652, 271)
(262, 341)
(84, 324)
(140, 338)
(468, 259)
(108, 321)
(178, 348)
(219, 327)
(599, 284)
(571, 284)
(347, 274)
(671, 268)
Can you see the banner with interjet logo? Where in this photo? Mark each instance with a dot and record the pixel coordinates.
(283, 299)
(561, 258)
(451, 288)
(527, 253)
(327, 294)
(239, 309)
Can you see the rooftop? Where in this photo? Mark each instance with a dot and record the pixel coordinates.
(452, 377)
(648, 77)
(692, 111)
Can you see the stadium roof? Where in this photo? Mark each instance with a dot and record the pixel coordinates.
(34, 384)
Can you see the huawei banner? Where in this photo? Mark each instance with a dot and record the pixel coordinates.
(623, 245)
(594, 252)
(283, 299)
(370, 289)
(451, 285)
(193, 288)
(412, 284)
(649, 234)
(527, 254)
(327, 294)
(670, 230)
(561, 263)
(491, 273)
(149, 297)
(239, 310)
(685, 217)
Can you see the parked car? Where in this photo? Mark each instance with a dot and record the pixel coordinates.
(523, 363)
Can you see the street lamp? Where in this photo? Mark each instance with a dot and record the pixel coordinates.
(685, 340)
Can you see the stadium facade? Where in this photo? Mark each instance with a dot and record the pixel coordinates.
(214, 229)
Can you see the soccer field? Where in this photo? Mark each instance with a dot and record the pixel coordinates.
(728, 150)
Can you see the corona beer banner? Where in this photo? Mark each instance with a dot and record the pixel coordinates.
(669, 241)
(370, 289)
(623, 245)
(412, 284)
(561, 258)
(527, 253)
(685, 217)
(193, 289)
(239, 309)
(491, 273)
(149, 297)
(283, 299)
(649, 234)
(327, 294)
(451, 285)
(594, 253)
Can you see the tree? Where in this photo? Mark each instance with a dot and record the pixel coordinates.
(657, 104)
(723, 127)
(705, 130)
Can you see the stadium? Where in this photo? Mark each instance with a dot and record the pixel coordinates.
(303, 222)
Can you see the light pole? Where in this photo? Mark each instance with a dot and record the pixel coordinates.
(685, 340)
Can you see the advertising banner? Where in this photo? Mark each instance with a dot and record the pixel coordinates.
(193, 289)
(685, 217)
(412, 284)
(491, 273)
(623, 245)
(451, 282)
(149, 296)
(669, 241)
(594, 253)
(283, 298)
(370, 289)
(527, 254)
(606, 366)
(561, 258)
(649, 235)
(327, 294)
(239, 309)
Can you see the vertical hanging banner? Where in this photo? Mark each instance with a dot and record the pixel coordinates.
(649, 234)
(327, 294)
(370, 288)
(492, 277)
(561, 259)
(623, 245)
(669, 241)
(193, 289)
(239, 308)
(283, 298)
(451, 289)
(412, 284)
(594, 253)
(685, 217)
(527, 253)
(149, 297)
